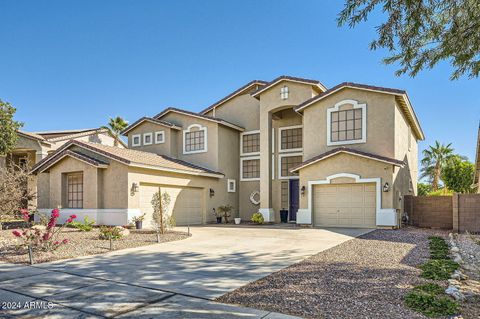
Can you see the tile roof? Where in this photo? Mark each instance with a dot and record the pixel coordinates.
(205, 117)
(289, 78)
(53, 135)
(136, 158)
(32, 135)
(349, 151)
(57, 156)
(233, 94)
(150, 119)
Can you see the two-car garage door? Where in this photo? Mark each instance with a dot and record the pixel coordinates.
(186, 204)
(344, 205)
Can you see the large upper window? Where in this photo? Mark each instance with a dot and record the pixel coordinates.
(195, 139)
(290, 138)
(346, 126)
(287, 163)
(250, 168)
(250, 142)
(75, 190)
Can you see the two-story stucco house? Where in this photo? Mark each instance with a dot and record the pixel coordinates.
(338, 157)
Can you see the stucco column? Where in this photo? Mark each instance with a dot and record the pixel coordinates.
(266, 166)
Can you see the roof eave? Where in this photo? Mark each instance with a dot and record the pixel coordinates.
(178, 171)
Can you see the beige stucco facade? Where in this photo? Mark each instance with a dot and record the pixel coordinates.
(385, 156)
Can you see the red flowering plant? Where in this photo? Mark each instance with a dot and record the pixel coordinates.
(43, 238)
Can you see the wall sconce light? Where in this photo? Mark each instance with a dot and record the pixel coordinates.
(135, 188)
(386, 187)
(212, 192)
(302, 190)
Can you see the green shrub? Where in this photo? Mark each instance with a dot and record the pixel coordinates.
(87, 224)
(107, 232)
(429, 288)
(438, 269)
(431, 305)
(438, 248)
(257, 218)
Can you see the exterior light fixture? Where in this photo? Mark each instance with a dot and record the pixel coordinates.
(386, 187)
(212, 192)
(302, 190)
(135, 188)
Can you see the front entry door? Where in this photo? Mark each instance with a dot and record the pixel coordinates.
(294, 199)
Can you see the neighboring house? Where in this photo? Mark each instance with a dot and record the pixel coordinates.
(33, 147)
(477, 164)
(339, 157)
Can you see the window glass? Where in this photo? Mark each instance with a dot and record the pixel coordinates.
(251, 143)
(251, 168)
(75, 190)
(346, 125)
(194, 141)
(288, 163)
(291, 138)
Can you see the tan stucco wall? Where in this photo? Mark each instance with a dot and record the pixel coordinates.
(162, 148)
(228, 161)
(346, 163)
(380, 123)
(243, 110)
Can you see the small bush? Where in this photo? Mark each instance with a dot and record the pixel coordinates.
(87, 224)
(438, 248)
(257, 218)
(438, 269)
(429, 304)
(107, 232)
(429, 288)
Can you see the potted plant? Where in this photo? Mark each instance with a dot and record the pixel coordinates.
(284, 215)
(224, 211)
(217, 216)
(138, 221)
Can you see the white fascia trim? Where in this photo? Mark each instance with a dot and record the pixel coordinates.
(139, 140)
(153, 122)
(145, 135)
(173, 170)
(50, 164)
(358, 179)
(241, 168)
(336, 108)
(283, 128)
(201, 128)
(157, 134)
(234, 189)
(280, 156)
(219, 121)
(241, 143)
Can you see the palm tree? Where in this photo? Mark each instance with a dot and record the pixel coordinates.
(434, 160)
(116, 125)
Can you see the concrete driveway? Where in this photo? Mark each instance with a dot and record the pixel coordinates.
(171, 280)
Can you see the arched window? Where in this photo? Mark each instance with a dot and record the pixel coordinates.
(195, 139)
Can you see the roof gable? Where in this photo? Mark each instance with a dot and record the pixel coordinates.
(314, 83)
(75, 155)
(151, 120)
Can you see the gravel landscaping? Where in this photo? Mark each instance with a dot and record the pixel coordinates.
(80, 244)
(366, 277)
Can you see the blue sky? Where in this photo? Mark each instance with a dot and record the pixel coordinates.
(73, 64)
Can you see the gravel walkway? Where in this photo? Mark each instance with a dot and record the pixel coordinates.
(365, 277)
(80, 244)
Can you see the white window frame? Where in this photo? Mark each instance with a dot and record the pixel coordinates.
(234, 188)
(162, 134)
(280, 156)
(241, 168)
(201, 128)
(284, 92)
(145, 136)
(241, 142)
(284, 128)
(336, 108)
(139, 140)
(273, 166)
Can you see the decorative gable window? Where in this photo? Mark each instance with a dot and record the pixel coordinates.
(136, 140)
(346, 126)
(284, 92)
(159, 137)
(147, 139)
(195, 139)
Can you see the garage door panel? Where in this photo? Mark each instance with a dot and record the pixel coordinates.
(345, 205)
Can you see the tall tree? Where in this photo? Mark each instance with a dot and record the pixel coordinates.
(116, 125)
(434, 160)
(8, 128)
(458, 175)
(419, 34)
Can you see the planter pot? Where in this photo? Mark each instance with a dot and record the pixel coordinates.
(238, 221)
(219, 220)
(284, 216)
(31, 217)
(138, 225)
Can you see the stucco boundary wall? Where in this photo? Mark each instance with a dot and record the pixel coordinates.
(460, 212)
(111, 217)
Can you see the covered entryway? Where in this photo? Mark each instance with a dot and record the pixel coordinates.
(345, 205)
(186, 204)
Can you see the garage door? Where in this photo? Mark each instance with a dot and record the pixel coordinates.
(344, 205)
(185, 203)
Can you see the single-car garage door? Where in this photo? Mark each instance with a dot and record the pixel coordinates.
(186, 204)
(344, 205)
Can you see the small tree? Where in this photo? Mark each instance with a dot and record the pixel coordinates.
(423, 189)
(224, 211)
(116, 125)
(14, 191)
(161, 220)
(458, 175)
(8, 128)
